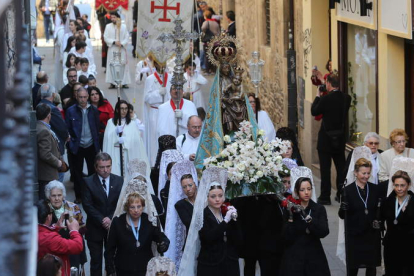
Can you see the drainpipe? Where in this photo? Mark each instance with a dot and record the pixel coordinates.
(291, 74)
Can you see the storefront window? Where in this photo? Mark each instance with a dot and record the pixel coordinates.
(361, 81)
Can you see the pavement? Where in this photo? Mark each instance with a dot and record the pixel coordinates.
(135, 96)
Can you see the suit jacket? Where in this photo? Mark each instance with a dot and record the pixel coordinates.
(98, 206)
(231, 30)
(35, 90)
(58, 125)
(73, 118)
(48, 154)
(331, 107)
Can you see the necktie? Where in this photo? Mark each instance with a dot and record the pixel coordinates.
(104, 184)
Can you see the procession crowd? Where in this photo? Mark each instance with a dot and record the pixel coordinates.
(143, 198)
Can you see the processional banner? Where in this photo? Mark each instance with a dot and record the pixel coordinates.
(156, 17)
(111, 5)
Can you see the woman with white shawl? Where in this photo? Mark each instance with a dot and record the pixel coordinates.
(174, 228)
(213, 179)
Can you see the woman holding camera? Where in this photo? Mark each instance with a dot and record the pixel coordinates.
(304, 254)
(360, 206)
(398, 213)
(130, 238)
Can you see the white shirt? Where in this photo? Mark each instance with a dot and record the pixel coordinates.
(189, 146)
(106, 183)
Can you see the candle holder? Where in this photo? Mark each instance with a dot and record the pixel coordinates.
(255, 70)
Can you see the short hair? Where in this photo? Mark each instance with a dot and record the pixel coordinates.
(115, 13)
(189, 63)
(49, 265)
(79, 45)
(299, 182)
(131, 198)
(84, 60)
(91, 78)
(208, 14)
(186, 176)
(54, 184)
(43, 210)
(41, 77)
(401, 174)
(42, 111)
(77, 60)
(70, 70)
(102, 156)
(371, 135)
(256, 100)
(201, 113)
(397, 132)
(47, 90)
(362, 162)
(231, 15)
(192, 116)
(83, 79)
(81, 89)
(79, 28)
(333, 79)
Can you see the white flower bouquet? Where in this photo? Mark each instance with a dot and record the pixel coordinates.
(252, 166)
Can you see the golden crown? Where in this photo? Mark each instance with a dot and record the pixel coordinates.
(223, 49)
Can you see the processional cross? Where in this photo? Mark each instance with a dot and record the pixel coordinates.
(179, 36)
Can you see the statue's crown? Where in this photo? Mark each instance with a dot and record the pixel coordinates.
(238, 70)
(224, 53)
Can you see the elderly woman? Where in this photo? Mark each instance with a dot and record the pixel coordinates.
(398, 213)
(360, 209)
(55, 193)
(130, 238)
(398, 141)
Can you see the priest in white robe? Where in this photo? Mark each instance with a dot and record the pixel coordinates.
(194, 85)
(187, 143)
(132, 144)
(116, 36)
(169, 113)
(155, 93)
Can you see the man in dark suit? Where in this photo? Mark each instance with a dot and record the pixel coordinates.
(82, 120)
(48, 155)
(331, 138)
(100, 197)
(231, 18)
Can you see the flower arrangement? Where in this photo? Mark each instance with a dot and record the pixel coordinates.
(252, 166)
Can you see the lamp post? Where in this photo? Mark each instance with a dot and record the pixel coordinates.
(117, 67)
(255, 69)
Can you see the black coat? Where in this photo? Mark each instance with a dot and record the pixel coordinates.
(399, 239)
(122, 255)
(218, 257)
(98, 206)
(185, 212)
(331, 107)
(363, 241)
(231, 30)
(304, 254)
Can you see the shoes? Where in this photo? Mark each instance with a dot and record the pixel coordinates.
(125, 86)
(324, 201)
(78, 201)
(112, 86)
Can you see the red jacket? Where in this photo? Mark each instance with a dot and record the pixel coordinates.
(106, 112)
(49, 241)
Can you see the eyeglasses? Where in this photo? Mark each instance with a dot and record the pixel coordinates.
(400, 142)
(72, 77)
(195, 127)
(373, 143)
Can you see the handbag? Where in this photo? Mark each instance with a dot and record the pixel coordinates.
(208, 35)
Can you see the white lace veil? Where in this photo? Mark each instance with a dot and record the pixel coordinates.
(404, 164)
(359, 152)
(188, 265)
(298, 172)
(174, 228)
(158, 264)
(167, 157)
(139, 183)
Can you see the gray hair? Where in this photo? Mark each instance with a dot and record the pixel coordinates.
(102, 156)
(54, 184)
(371, 135)
(47, 90)
(192, 116)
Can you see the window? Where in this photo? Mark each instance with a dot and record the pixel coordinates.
(267, 17)
(362, 80)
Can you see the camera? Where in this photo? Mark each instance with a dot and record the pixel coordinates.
(322, 88)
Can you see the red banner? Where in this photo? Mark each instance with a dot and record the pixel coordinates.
(111, 5)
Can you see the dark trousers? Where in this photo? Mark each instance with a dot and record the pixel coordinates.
(46, 24)
(96, 252)
(87, 154)
(370, 271)
(42, 185)
(268, 266)
(325, 167)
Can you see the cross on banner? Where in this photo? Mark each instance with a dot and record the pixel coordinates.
(165, 9)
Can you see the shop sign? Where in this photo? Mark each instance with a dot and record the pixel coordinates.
(349, 11)
(395, 17)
